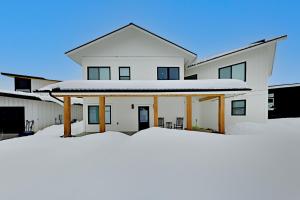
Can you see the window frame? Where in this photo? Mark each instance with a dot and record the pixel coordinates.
(168, 73)
(98, 69)
(124, 67)
(18, 81)
(245, 108)
(230, 66)
(98, 114)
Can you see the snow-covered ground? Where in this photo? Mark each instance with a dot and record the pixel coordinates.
(262, 162)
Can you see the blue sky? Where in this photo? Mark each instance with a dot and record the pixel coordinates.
(35, 34)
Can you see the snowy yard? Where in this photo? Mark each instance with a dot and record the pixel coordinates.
(256, 162)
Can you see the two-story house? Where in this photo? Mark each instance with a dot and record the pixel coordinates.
(134, 79)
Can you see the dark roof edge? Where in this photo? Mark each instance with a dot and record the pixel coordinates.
(98, 38)
(27, 76)
(242, 49)
(286, 84)
(57, 90)
(19, 96)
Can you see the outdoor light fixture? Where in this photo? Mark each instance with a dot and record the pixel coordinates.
(132, 106)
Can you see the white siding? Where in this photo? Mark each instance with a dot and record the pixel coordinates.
(43, 113)
(258, 63)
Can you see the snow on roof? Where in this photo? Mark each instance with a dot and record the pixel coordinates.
(254, 44)
(284, 85)
(36, 96)
(147, 86)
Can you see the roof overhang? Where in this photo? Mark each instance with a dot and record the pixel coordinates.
(26, 77)
(73, 52)
(147, 88)
(236, 51)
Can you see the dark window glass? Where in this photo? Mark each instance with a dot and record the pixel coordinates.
(191, 77)
(237, 71)
(174, 73)
(162, 73)
(124, 73)
(98, 73)
(93, 114)
(168, 73)
(238, 107)
(225, 73)
(22, 84)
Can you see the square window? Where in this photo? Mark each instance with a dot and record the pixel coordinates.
(93, 73)
(93, 114)
(238, 107)
(124, 73)
(162, 73)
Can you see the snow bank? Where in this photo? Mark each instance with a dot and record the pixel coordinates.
(153, 164)
(147, 84)
(274, 126)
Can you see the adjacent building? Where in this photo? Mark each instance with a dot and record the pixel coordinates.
(284, 101)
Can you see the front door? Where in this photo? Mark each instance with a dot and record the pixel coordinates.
(143, 117)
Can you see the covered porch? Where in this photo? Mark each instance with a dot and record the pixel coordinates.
(204, 90)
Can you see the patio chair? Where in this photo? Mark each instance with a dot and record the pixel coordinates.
(179, 123)
(169, 125)
(161, 122)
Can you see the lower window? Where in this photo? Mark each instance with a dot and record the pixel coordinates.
(238, 107)
(93, 114)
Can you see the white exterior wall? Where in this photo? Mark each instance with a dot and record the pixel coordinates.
(259, 63)
(38, 83)
(141, 68)
(43, 113)
(143, 54)
(124, 118)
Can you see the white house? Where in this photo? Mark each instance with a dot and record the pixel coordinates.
(21, 105)
(135, 79)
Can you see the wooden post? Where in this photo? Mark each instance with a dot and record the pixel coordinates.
(102, 114)
(155, 108)
(189, 112)
(67, 116)
(222, 114)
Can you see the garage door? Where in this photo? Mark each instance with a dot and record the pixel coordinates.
(12, 119)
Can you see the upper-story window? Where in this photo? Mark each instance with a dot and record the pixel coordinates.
(22, 84)
(236, 71)
(124, 73)
(98, 73)
(168, 73)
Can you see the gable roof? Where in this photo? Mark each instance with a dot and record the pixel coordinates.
(26, 76)
(136, 26)
(252, 45)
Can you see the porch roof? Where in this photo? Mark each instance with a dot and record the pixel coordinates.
(146, 87)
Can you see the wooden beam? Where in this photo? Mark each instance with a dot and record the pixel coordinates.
(102, 114)
(222, 114)
(155, 108)
(67, 116)
(208, 98)
(188, 112)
